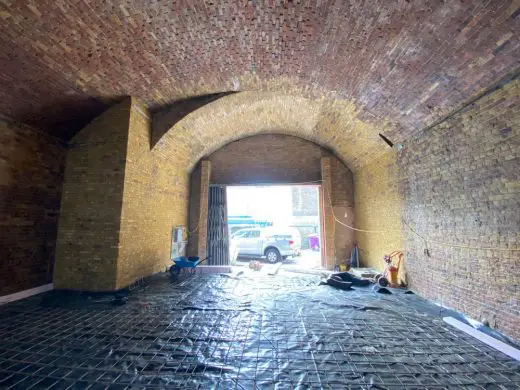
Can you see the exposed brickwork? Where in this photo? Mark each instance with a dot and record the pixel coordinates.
(269, 158)
(244, 114)
(194, 212)
(31, 176)
(121, 201)
(205, 174)
(276, 158)
(342, 192)
(406, 61)
(337, 200)
(88, 236)
(461, 182)
(332, 72)
(327, 236)
(155, 200)
(379, 208)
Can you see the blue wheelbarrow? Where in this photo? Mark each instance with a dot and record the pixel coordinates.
(185, 265)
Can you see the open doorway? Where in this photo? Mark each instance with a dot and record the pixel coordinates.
(275, 224)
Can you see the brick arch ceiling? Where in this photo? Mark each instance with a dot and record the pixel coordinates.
(407, 62)
(332, 124)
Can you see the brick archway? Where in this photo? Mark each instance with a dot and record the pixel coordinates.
(333, 125)
(150, 184)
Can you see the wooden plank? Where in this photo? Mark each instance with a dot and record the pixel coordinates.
(486, 339)
(25, 294)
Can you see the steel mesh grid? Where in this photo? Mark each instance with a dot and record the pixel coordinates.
(214, 332)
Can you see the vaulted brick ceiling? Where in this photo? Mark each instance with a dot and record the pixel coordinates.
(406, 62)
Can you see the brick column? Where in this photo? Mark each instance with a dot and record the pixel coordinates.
(327, 218)
(87, 248)
(198, 210)
(205, 171)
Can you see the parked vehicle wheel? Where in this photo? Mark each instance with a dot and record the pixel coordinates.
(272, 255)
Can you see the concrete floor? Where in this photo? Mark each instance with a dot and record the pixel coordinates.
(252, 332)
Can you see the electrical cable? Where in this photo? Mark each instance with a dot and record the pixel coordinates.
(426, 240)
(386, 231)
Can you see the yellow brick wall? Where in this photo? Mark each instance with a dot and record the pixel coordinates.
(342, 192)
(461, 185)
(120, 202)
(378, 206)
(194, 212)
(338, 202)
(88, 232)
(155, 200)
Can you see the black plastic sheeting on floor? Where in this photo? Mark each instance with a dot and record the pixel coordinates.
(254, 332)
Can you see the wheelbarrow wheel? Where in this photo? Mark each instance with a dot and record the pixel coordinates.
(382, 281)
(174, 272)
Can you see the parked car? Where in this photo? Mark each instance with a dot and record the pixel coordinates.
(273, 243)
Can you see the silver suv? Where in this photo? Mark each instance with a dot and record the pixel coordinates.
(273, 243)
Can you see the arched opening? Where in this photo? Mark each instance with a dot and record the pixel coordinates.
(277, 159)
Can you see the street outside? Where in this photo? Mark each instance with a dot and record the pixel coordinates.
(308, 259)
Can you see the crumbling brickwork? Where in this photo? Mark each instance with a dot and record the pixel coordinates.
(31, 176)
(461, 185)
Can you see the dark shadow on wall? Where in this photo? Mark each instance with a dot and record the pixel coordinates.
(31, 165)
(63, 116)
(90, 216)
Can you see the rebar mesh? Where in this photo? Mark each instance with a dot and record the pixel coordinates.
(266, 332)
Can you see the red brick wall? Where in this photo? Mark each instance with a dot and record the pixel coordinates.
(461, 184)
(31, 176)
(404, 62)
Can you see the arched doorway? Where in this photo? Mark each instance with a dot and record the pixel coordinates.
(277, 159)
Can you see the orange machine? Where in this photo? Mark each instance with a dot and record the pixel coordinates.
(389, 275)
